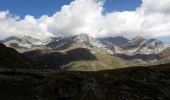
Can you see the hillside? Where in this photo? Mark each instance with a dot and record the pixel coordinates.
(10, 58)
(131, 83)
(57, 59)
(136, 83)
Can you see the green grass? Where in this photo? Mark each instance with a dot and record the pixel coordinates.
(104, 61)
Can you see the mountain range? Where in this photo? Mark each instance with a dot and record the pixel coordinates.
(82, 52)
(31, 71)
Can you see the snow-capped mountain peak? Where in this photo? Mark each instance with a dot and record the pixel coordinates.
(138, 39)
(152, 46)
(117, 45)
(87, 40)
(82, 37)
(21, 41)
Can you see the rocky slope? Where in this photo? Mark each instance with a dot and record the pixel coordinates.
(115, 45)
(25, 43)
(138, 83)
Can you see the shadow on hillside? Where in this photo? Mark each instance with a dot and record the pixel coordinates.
(138, 56)
(63, 47)
(59, 58)
(10, 58)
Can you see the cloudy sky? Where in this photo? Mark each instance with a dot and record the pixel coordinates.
(98, 18)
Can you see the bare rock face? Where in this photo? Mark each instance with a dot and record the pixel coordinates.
(152, 46)
(25, 43)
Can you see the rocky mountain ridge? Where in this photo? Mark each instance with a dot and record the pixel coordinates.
(115, 45)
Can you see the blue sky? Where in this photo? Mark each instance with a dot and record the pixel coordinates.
(35, 8)
(38, 8)
(165, 39)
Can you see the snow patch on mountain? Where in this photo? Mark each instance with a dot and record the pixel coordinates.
(152, 46)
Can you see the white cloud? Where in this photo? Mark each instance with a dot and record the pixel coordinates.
(3, 14)
(151, 19)
(81, 16)
(156, 6)
(29, 26)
